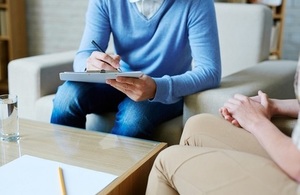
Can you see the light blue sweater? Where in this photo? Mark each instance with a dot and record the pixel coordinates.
(162, 47)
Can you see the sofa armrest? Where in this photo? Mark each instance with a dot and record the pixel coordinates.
(33, 77)
(276, 78)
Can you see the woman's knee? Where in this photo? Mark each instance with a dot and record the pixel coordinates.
(197, 124)
(165, 162)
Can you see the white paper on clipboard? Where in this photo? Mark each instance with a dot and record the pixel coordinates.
(96, 77)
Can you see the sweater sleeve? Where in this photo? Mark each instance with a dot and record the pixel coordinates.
(97, 28)
(204, 43)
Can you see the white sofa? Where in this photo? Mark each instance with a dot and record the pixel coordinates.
(244, 32)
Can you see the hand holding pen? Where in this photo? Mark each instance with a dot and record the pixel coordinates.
(105, 61)
(138, 89)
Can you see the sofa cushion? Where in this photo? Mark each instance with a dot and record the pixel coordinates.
(43, 108)
(273, 77)
(244, 34)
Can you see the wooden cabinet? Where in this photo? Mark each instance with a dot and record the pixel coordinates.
(13, 36)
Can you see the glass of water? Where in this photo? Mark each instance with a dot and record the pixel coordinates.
(9, 121)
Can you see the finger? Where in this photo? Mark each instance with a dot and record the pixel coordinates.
(96, 62)
(229, 118)
(226, 115)
(130, 81)
(104, 57)
(263, 98)
(235, 123)
(104, 61)
(116, 63)
(223, 111)
(123, 87)
(117, 58)
(255, 98)
(237, 98)
(240, 97)
(99, 65)
(230, 104)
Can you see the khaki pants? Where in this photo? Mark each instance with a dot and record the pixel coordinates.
(214, 157)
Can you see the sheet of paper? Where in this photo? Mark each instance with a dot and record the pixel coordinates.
(32, 175)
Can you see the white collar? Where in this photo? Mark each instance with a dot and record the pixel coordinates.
(134, 1)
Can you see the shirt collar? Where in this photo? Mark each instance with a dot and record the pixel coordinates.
(134, 1)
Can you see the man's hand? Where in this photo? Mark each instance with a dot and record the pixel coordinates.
(102, 61)
(137, 89)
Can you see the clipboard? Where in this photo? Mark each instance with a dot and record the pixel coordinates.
(97, 76)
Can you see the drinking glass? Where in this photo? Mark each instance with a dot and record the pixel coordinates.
(9, 121)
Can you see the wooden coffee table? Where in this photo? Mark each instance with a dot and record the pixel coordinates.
(129, 158)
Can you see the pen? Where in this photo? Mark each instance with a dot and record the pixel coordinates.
(62, 181)
(100, 49)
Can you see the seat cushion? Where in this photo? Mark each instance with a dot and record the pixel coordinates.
(43, 108)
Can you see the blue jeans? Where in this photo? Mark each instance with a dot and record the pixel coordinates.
(74, 100)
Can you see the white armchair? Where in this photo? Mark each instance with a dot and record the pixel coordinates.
(244, 32)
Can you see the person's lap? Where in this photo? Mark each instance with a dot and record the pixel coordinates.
(202, 170)
(135, 117)
(216, 157)
(74, 100)
(207, 130)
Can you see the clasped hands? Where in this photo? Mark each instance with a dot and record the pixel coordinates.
(137, 89)
(243, 111)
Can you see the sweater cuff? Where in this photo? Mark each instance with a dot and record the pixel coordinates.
(163, 89)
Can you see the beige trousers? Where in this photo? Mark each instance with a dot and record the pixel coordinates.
(214, 157)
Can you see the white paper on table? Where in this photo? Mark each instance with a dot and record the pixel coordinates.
(32, 175)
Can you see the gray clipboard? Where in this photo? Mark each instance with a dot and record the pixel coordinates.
(96, 77)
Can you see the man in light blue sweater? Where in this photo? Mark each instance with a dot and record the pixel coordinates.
(159, 38)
